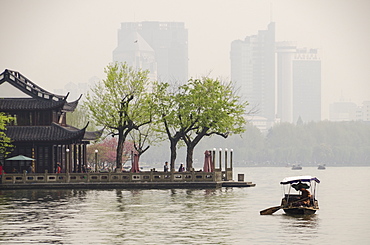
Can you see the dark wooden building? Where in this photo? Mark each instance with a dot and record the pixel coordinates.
(39, 130)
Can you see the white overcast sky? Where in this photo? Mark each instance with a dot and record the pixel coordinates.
(54, 42)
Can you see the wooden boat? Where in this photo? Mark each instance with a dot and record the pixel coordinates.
(296, 167)
(321, 166)
(292, 203)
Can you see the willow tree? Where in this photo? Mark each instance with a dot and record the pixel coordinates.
(209, 107)
(120, 103)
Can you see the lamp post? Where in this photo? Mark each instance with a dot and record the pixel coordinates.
(67, 161)
(96, 160)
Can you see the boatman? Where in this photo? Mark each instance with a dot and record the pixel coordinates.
(306, 196)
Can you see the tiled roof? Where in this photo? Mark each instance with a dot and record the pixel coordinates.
(93, 135)
(14, 104)
(28, 87)
(54, 133)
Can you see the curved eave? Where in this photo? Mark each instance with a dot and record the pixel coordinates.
(93, 135)
(71, 106)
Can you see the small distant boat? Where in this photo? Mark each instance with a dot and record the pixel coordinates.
(296, 167)
(294, 202)
(321, 166)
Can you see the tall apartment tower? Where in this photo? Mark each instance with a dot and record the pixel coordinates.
(306, 85)
(298, 82)
(285, 55)
(253, 70)
(160, 47)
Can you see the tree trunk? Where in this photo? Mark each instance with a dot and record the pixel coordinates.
(190, 148)
(173, 143)
(189, 157)
(121, 141)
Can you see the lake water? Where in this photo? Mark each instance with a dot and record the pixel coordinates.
(183, 216)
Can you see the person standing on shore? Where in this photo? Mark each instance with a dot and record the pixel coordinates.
(181, 168)
(165, 167)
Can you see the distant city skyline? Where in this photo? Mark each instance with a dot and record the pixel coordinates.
(160, 47)
(57, 42)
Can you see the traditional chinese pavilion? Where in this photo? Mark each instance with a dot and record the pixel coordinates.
(39, 130)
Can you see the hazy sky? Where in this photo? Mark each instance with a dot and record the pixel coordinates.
(53, 42)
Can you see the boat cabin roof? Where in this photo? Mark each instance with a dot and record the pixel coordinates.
(296, 179)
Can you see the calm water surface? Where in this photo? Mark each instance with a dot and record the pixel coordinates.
(182, 216)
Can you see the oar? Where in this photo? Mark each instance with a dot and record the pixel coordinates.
(272, 210)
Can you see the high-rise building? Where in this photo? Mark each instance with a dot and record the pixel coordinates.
(306, 85)
(295, 91)
(253, 70)
(285, 55)
(160, 47)
(298, 82)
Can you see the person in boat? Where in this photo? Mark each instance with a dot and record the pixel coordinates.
(305, 197)
(305, 194)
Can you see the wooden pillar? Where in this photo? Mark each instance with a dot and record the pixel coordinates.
(74, 158)
(79, 158)
(84, 156)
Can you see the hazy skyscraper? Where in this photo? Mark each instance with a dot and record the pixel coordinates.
(307, 85)
(299, 83)
(253, 70)
(161, 47)
(285, 55)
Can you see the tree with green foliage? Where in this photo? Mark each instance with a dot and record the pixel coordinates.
(5, 141)
(199, 108)
(166, 108)
(209, 107)
(121, 103)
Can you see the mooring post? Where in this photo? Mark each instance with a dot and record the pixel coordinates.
(213, 159)
(220, 160)
(231, 162)
(226, 164)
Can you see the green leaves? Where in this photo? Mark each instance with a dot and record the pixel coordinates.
(5, 142)
(121, 103)
(201, 107)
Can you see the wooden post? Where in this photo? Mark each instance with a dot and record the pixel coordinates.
(226, 164)
(220, 160)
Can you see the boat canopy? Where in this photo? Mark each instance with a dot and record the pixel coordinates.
(296, 179)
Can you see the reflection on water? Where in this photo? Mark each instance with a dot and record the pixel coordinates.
(302, 228)
(188, 216)
(108, 217)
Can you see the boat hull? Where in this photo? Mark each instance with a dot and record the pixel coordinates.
(300, 210)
